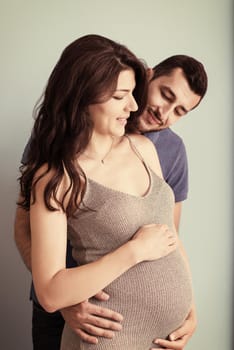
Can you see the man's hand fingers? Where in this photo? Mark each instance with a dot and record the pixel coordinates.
(97, 332)
(86, 337)
(102, 296)
(90, 321)
(103, 323)
(105, 313)
(180, 332)
(173, 345)
(186, 330)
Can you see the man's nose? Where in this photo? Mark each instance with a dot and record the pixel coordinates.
(165, 112)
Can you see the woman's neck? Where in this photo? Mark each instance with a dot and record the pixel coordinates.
(100, 147)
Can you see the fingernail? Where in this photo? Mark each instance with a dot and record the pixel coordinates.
(119, 318)
(105, 296)
(156, 341)
(172, 337)
(119, 327)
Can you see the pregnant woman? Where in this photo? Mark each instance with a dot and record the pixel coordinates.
(89, 179)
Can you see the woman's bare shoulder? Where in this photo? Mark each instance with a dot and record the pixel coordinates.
(44, 175)
(148, 151)
(141, 141)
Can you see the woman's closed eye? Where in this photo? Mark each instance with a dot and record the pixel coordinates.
(118, 97)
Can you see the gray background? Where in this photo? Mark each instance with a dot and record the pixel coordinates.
(32, 36)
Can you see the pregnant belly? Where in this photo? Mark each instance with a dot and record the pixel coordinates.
(154, 298)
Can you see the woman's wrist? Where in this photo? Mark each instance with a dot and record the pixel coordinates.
(135, 252)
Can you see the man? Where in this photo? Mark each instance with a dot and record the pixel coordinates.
(176, 86)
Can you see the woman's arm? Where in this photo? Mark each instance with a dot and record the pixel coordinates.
(58, 287)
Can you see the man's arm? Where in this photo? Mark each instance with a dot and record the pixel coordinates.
(22, 235)
(180, 337)
(177, 215)
(175, 173)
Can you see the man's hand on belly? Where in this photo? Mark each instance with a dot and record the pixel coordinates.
(90, 321)
(180, 337)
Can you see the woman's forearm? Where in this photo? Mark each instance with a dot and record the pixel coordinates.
(85, 281)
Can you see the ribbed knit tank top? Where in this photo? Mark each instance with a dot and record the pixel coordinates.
(153, 297)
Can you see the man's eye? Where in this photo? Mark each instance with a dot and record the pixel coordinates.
(179, 113)
(167, 97)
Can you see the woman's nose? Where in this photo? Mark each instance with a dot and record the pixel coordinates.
(132, 104)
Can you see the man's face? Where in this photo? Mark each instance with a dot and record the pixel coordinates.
(169, 99)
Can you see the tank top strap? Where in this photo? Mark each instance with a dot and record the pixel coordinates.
(135, 150)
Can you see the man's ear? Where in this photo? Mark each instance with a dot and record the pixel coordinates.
(150, 73)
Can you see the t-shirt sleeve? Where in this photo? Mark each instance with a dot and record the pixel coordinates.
(25, 153)
(177, 177)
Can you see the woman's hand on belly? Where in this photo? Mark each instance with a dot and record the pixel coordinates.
(154, 241)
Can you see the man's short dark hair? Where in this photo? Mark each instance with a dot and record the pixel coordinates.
(193, 70)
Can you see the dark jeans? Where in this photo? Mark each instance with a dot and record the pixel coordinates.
(46, 329)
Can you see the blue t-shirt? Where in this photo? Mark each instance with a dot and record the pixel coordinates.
(173, 159)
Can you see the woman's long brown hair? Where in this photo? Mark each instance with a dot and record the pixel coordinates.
(86, 73)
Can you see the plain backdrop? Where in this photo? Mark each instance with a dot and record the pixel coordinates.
(32, 36)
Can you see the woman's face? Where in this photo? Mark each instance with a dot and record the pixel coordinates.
(110, 117)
